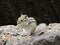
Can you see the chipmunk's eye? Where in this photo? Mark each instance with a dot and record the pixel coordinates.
(25, 16)
(21, 20)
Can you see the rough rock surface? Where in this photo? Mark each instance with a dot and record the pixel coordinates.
(51, 36)
(9, 29)
(40, 29)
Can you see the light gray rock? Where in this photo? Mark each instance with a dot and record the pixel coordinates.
(41, 28)
(9, 30)
(1, 43)
(50, 37)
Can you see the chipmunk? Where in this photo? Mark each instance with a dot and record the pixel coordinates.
(27, 24)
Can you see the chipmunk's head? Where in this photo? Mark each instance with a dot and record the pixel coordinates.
(22, 18)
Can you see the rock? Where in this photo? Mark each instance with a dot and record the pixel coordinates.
(1, 43)
(40, 29)
(50, 37)
(9, 30)
(54, 25)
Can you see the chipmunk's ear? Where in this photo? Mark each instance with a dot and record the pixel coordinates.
(24, 15)
(21, 14)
